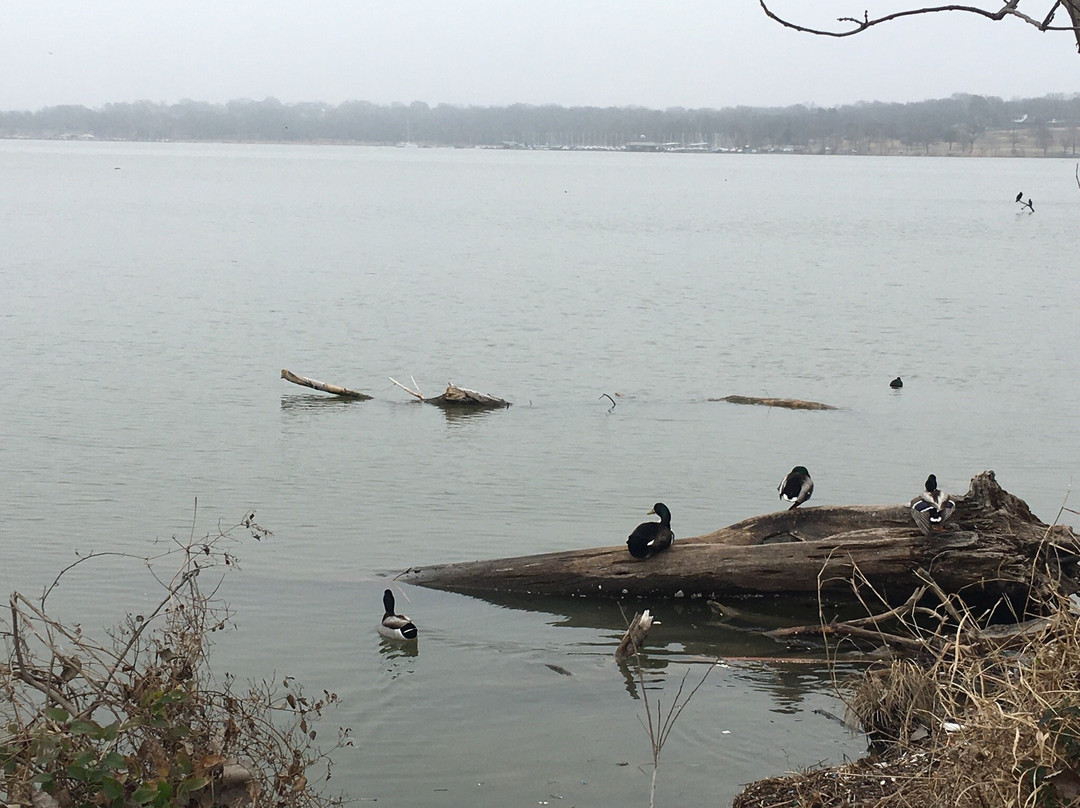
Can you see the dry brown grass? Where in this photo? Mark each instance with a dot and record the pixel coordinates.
(991, 718)
(994, 725)
(970, 712)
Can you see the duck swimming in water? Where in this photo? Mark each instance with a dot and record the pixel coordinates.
(796, 487)
(395, 626)
(896, 383)
(932, 507)
(650, 538)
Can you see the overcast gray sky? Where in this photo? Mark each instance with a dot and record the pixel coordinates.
(651, 53)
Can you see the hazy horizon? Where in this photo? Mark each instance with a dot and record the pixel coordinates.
(475, 53)
(435, 104)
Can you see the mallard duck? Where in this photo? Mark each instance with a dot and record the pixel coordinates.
(932, 507)
(650, 538)
(896, 383)
(395, 626)
(796, 487)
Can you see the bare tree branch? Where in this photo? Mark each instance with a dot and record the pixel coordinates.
(1009, 9)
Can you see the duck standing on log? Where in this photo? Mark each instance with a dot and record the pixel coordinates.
(932, 507)
(650, 538)
(395, 626)
(796, 487)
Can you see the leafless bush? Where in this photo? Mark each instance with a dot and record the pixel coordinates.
(137, 718)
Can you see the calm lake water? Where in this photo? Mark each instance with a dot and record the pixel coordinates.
(150, 294)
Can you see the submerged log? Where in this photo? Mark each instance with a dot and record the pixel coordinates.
(314, 384)
(464, 397)
(985, 552)
(786, 403)
(456, 397)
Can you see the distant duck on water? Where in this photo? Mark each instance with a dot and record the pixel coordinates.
(896, 383)
(395, 626)
(932, 507)
(796, 487)
(650, 538)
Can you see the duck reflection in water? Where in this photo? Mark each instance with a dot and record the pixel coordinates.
(397, 650)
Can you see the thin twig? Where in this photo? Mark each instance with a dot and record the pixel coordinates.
(24, 674)
(874, 619)
(56, 581)
(406, 389)
(946, 601)
(1050, 15)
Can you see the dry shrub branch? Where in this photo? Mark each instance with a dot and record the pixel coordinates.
(137, 718)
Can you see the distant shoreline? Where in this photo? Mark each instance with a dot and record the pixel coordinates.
(958, 126)
(999, 143)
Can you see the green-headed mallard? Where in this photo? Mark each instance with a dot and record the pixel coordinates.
(395, 626)
(796, 487)
(932, 507)
(650, 538)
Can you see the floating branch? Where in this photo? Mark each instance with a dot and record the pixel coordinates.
(786, 403)
(333, 389)
(634, 638)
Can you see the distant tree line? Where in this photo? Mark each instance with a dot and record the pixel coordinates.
(952, 124)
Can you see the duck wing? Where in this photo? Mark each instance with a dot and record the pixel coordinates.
(648, 539)
(663, 540)
(398, 626)
(796, 489)
(928, 516)
(640, 541)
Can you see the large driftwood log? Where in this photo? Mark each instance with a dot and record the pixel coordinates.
(314, 384)
(986, 552)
